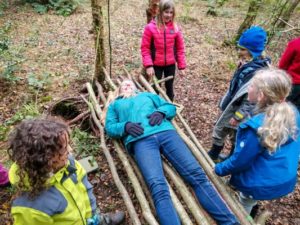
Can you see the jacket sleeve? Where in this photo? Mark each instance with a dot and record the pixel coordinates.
(244, 110)
(180, 51)
(23, 215)
(168, 109)
(113, 127)
(146, 47)
(89, 199)
(287, 57)
(245, 152)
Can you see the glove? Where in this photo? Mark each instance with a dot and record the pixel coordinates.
(156, 118)
(134, 129)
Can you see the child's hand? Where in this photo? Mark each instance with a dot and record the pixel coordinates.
(181, 73)
(150, 71)
(233, 122)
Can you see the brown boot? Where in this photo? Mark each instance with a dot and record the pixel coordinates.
(114, 218)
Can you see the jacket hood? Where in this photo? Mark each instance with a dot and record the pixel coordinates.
(259, 62)
(256, 122)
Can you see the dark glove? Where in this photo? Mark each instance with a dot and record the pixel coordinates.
(156, 118)
(134, 129)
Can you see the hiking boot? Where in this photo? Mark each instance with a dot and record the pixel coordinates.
(214, 152)
(114, 218)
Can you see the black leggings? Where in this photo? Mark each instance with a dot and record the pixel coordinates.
(166, 71)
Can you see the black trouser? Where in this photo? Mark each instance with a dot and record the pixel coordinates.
(294, 96)
(166, 71)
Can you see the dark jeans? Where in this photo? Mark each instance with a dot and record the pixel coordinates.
(147, 153)
(166, 71)
(294, 96)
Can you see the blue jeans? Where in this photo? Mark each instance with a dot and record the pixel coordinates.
(168, 143)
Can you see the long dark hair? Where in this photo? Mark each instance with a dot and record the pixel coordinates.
(32, 145)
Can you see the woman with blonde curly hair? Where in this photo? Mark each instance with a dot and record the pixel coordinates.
(265, 160)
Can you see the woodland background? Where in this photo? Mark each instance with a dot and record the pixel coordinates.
(47, 52)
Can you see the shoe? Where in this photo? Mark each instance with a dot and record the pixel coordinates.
(214, 152)
(114, 218)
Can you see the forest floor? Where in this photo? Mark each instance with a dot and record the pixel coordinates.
(57, 54)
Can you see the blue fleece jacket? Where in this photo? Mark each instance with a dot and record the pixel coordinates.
(136, 109)
(257, 173)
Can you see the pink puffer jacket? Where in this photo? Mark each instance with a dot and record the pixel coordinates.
(168, 46)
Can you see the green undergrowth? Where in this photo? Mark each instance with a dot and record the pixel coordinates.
(27, 111)
(84, 144)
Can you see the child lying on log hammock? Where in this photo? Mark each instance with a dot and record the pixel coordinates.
(143, 121)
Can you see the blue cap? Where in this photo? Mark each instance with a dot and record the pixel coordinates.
(254, 40)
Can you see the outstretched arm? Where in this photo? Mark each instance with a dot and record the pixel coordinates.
(245, 152)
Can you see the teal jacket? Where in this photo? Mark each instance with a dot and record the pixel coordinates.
(136, 109)
(69, 200)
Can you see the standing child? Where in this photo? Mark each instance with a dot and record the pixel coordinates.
(234, 105)
(265, 161)
(163, 45)
(290, 61)
(53, 187)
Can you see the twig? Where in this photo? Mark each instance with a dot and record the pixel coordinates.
(77, 118)
(197, 212)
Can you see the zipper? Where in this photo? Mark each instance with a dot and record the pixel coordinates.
(165, 45)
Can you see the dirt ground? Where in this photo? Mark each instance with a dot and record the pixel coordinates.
(63, 48)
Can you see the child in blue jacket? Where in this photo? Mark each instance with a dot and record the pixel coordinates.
(234, 105)
(265, 160)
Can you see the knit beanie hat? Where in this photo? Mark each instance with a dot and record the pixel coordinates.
(254, 40)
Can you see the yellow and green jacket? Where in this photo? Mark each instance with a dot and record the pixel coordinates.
(69, 200)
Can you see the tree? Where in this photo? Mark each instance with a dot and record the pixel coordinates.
(282, 17)
(98, 28)
(213, 5)
(249, 19)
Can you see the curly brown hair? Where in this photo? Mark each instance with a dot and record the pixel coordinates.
(32, 146)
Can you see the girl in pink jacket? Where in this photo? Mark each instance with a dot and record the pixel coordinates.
(163, 46)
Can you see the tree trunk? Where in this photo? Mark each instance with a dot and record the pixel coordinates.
(249, 19)
(287, 12)
(214, 5)
(98, 30)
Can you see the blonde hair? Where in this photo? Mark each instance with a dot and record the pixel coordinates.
(280, 117)
(113, 95)
(164, 5)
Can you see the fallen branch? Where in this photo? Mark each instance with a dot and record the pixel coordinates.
(136, 186)
(199, 213)
(185, 219)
